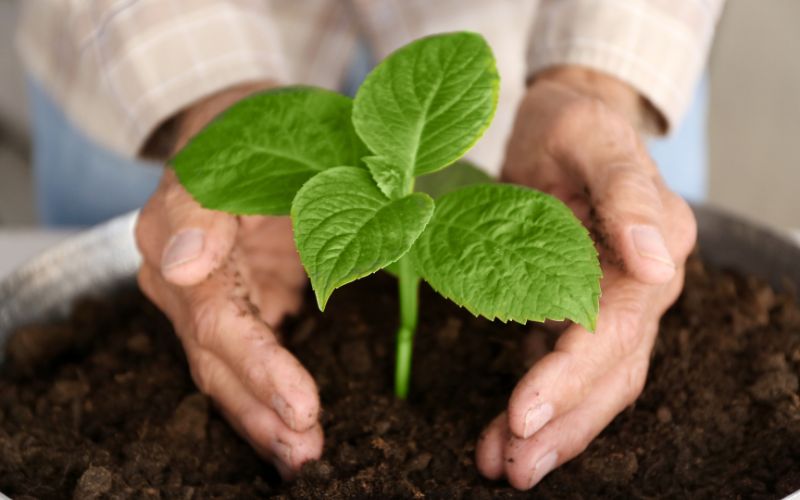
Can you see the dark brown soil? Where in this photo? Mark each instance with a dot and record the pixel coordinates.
(117, 415)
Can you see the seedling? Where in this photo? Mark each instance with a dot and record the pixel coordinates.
(345, 171)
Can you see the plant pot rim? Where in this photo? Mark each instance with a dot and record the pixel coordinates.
(105, 258)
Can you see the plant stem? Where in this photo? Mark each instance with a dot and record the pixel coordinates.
(409, 299)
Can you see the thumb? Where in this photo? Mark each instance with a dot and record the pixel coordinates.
(628, 205)
(199, 239)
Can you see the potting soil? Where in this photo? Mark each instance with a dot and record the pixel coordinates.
(102, 405)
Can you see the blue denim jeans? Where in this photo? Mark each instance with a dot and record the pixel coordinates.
(79, 183)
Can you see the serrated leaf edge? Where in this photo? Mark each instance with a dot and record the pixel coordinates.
(590, 326)
(495, 89)
(322, 295)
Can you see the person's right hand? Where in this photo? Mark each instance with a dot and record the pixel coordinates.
(577, 137)
(225, 283)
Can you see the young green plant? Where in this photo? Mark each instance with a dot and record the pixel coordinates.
(345, 171)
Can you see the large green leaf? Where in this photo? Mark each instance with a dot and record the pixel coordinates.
(424, 106)
(255, 156)
(508, 252)
(345, 228)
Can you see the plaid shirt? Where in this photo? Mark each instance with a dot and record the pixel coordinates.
(120, 68)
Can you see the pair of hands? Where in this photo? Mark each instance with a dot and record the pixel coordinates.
(227, 282)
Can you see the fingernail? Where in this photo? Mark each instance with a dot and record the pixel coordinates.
(536, 418)
(650, 244)
(543, 467)
(182, 248)
(283, 410)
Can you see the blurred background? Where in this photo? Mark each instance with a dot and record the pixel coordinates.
(754, 129)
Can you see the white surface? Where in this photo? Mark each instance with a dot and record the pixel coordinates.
(17, 246)
(793, 496)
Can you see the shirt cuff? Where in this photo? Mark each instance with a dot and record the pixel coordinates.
(657, 47)
(138, 63)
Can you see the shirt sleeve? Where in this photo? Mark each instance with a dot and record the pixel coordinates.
(657, 46)
(121, 68)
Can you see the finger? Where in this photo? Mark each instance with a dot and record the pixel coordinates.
(489, 453)
(563, 378)
(681, 227)
(197, 240)
(225, 324)
(277, 275)
(528, 461)
(257, 423)
(217, 317)
(288, 450)
(623, 184)
(630, 212)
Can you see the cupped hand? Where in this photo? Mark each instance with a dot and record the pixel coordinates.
(226, 283)
(576, 137)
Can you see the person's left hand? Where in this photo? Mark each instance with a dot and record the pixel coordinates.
(576, 138)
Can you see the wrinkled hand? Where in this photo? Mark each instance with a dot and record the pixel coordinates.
(576, 138)
(225, 283)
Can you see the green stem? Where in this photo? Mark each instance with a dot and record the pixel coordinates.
(409, 299)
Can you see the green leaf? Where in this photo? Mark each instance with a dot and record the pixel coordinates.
(255, 156)
(345, 228)
(424, 106)
(512, 253)
(460, 174)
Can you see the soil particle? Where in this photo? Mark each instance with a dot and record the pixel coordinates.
(139, 343)
(190, 418)
(94, 483)
(64, 391)
(420, 462)
(771, 362)
(616, 467)
(664, 415)
(318, 470)
(773, 386)
(102, 405)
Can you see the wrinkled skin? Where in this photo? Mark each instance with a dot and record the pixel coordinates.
(586, 151)
(227, 282)
(222, 303)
